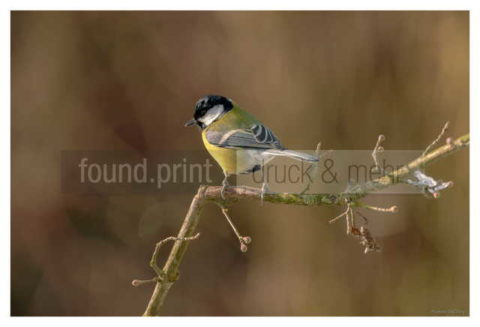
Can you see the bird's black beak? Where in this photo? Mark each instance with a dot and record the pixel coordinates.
(191, 122)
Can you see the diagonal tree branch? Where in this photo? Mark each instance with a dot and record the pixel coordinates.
(170, 271)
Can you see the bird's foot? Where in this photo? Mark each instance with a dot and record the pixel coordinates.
(224, 187)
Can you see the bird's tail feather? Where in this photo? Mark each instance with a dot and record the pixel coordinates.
(293, 154)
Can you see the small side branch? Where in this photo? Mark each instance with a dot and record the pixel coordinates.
(314, 166)
(439, 137)
(392, 209)
(140, 282)
(153, 261)
(378, 148)
(362, 233)
(244, 240)
(343, 214)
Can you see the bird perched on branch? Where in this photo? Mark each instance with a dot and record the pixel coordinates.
(236, 140)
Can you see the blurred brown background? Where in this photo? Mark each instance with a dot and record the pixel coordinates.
(128, 81)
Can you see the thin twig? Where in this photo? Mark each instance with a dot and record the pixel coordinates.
(392, 209)
(366, 239)
(377, 149)
(349, 217)
(315, 169)
(153, 260)
(139, 282)
(431, 145)
(331, 221)
(244, 240)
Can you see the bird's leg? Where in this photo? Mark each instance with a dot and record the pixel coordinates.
(264, 190)
(264, 187)
(224, 185)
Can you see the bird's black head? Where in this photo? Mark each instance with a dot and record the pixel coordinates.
(208, 109)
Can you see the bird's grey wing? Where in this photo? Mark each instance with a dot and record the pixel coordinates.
(256, 137)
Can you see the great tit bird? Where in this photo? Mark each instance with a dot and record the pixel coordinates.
(237, 141)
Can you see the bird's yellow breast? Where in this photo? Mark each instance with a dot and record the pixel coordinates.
(226, 158)
(232, 161)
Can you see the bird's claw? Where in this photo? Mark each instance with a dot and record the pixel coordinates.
(224, 187)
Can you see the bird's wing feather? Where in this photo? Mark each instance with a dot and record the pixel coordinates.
(256, 137)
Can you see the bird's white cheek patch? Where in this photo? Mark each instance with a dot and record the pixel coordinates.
(212, 115)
